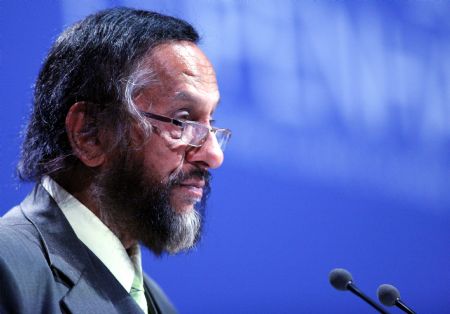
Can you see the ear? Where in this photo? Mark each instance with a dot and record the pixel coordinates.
(86, 141)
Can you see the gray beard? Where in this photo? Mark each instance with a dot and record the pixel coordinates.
(185, 232)
(137, 206)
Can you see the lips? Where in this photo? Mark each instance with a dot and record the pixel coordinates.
(193, 188)
(193, 183)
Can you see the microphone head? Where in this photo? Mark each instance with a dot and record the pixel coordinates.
(340, 278)
(388, 294)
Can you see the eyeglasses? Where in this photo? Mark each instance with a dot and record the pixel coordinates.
(192, 133)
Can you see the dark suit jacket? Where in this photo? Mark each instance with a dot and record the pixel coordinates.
(45, 268)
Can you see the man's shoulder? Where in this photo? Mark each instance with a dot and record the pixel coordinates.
(20, 244)
(26, 277)
(17, 226)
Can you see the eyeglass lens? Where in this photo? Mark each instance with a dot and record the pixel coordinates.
(196, 135)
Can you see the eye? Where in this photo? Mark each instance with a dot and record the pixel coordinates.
(183, 115)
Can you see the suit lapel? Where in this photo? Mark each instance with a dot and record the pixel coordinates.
(92, 288)
(110, 297)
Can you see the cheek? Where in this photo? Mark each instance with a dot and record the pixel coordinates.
(163, 157)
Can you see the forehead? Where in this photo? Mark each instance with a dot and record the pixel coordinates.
(182, 57)
(182, 74)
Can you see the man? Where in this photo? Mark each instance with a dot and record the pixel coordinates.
(119, 143)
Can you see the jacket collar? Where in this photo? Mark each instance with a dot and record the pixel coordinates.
(63, 249)
(93, 288)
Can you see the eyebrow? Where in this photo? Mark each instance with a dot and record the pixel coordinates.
(185, 96)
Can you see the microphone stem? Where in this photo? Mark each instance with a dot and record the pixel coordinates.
(356, 291)
(403, 307)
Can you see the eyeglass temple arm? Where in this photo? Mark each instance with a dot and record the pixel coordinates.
(162, 118)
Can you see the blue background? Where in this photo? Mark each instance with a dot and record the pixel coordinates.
(340, 155)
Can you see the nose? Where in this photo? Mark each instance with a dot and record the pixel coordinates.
(209, 154)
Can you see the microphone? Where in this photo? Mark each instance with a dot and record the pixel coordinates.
(341, 279)
(389, 295)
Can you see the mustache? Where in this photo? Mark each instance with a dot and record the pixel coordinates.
(196, 173)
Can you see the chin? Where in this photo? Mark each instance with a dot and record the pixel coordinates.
(185, 204)
(184, 210)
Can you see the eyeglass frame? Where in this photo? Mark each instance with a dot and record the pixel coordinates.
(181, 124)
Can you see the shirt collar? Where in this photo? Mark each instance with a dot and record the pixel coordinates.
(97, 236)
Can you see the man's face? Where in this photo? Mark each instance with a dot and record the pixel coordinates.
(156, 191)
(186, 89)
